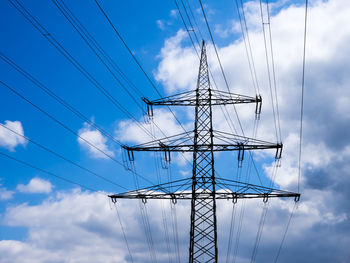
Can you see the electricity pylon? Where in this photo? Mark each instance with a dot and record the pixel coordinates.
(203, 188)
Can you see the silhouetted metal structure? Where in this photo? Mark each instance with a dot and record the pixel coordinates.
(203, 188)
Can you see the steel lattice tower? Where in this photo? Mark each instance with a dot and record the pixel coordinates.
(202, 188)
(203, 234)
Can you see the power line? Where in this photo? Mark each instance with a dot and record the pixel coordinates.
(226, 114)
(285, 232)
(124, 234)
(145, 221)
(227, 117)
(103, 52)
(224, 109)
(63, 158)
(273, 69)
(76, 64)
(87, 39)
(136, 60)
(220, 64)
(302, 97)
(188, 31)
(189, 20)
(80, 68)
(92, 43)
(259, 232)
(127, 47)
(248, 48)
(229, 243)
(56, 97)
(53, 95)
(300, 131)
(223, 73)
(66, 127)
(50, 173)
(164, 221)
(227, 86)
(194, 19)
(174, 219)
(140, 66)
(70, 58)
(269, 73)
(63, 179)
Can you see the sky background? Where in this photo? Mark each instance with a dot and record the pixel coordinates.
(62, 213)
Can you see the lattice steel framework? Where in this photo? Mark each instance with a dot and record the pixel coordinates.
(203, 188)
(203, 233)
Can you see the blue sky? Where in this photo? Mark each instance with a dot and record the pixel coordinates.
(46, 219)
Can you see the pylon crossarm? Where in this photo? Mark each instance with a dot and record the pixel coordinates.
(219, 196)
(228, 189)
(246, 190)
(177, 139)
(158, 190)
(219, 97)
(201, 147)
(222, 142)
(189, 99)
(181, 99)
(230, 137)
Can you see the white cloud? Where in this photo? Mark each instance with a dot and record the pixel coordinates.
(177, 61)
(81, 227)
(10, 140)
(5, 194)
(164, 125)
(36, 186)
(95, 138)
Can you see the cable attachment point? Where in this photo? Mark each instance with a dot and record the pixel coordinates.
(265, 198)
(278, 163)
(234, 198)
(127, 157)
(166, 160)
(240, 154)
(297, 198)
(149, 107)
(279, 151)
(131, 155)
(173, 199)
(258, 107)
